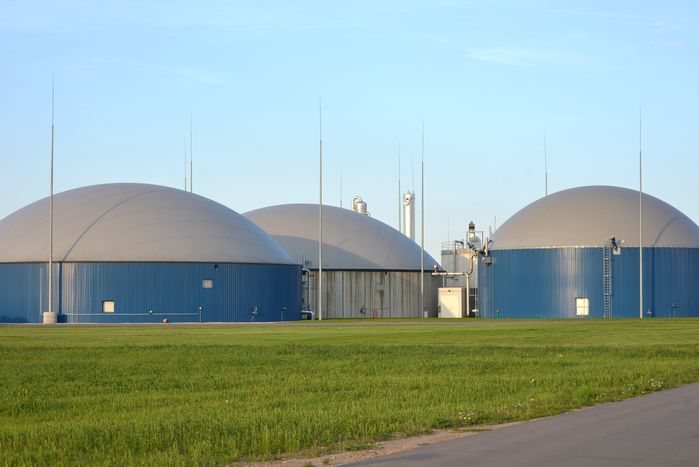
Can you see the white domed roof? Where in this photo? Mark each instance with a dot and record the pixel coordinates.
(135, 222)
(588, 216)
(351, 241)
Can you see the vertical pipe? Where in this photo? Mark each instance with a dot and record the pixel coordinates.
(320, 215)
(454, 262)
(422, 226)
(468, 295)
(640, 217)
(468, 282)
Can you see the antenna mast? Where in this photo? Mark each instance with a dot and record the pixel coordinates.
(51, 204)
(546, 170)
(400, 200)
(640, 216)
(191, 156)
(320, 214)
(412, 173)
(422, 226)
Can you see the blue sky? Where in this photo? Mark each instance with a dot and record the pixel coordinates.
(489, 80)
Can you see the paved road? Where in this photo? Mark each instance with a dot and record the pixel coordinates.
(660, 429)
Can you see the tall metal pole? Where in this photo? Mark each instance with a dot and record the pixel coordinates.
(320, 215)
(546, 170)
(400, 200)
(640, 217)
(422, 227)
(191, 156)
(412, 173)
(51, 199)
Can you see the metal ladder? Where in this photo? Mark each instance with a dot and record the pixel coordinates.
(607, 280)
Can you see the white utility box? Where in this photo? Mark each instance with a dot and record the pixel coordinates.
(451, 302)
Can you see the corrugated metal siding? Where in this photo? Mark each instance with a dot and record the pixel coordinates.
(149, 292)
(20, 297)
(378, 294)
(543, 283)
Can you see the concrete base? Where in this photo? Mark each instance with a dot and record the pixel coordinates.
(50, 317)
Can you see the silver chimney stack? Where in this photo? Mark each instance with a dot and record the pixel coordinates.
(409, 215)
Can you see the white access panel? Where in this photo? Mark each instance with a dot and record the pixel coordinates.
(451, 302)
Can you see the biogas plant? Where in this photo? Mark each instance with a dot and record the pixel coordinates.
(137, 253)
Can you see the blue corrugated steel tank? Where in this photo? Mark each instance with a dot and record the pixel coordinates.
(575, 253)
(134, 253)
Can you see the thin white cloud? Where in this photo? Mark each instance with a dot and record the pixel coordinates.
(666, 35)
(520, 57)
(669, 44)
(592, 13)
(660, 27)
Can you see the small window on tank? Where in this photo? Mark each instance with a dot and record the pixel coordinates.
(582, 306)
(108, 306)
(207, 284)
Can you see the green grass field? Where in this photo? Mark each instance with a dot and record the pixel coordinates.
(217, 395)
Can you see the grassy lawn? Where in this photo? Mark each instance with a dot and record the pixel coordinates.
(216, 395)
